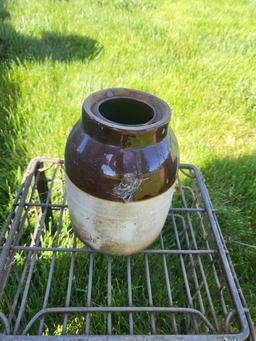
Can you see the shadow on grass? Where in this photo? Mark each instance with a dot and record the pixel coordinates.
(52, 45)
(232, 188)
(17, 47)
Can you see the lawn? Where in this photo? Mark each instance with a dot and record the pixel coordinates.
(199, 56)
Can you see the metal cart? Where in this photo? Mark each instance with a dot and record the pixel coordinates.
(53, 287)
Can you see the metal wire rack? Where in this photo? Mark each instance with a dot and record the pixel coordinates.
(54, 287)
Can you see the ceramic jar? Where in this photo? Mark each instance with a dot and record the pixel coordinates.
(121, 164)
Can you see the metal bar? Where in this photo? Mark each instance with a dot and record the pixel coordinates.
(17, 240)
(5, 321)
(129, 282)
(184, 272)
(42, 189)
(225, 263)
(214, 271)
(83, 310)
(184, 201)
(7, 301)
(70, 277)
(213, 312)
(37, 172)
(26, 289)
(20, 228)
(219, 337)
(25, 268)
(193, 265)
(58, 206)
(53, 161)
(228, 320)
(20, 286)
(5, 250)
(182, 168)
(50, 275)
(186, 209)
(11, 214)
(250, 322)
(53, 206)
(150, 298)
(109, 296)
(168, 287)
(87, 250)
(89, 294)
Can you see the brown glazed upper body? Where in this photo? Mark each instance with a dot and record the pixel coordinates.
(123, 148)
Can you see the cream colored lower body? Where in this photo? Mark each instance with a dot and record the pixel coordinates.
(117, 228)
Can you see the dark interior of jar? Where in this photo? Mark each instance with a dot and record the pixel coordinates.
(126, 111)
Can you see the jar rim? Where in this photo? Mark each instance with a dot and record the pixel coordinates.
(157, 110)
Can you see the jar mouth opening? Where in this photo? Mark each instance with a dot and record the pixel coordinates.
(126, 111)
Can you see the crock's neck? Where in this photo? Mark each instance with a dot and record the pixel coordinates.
(125, 117)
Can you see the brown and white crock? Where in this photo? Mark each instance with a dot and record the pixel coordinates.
(121, 164)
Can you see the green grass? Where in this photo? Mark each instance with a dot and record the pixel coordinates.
(199, 56)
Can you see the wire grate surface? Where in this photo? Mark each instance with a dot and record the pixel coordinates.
(53, 285)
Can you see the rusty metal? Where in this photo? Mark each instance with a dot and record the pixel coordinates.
(184, 285)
